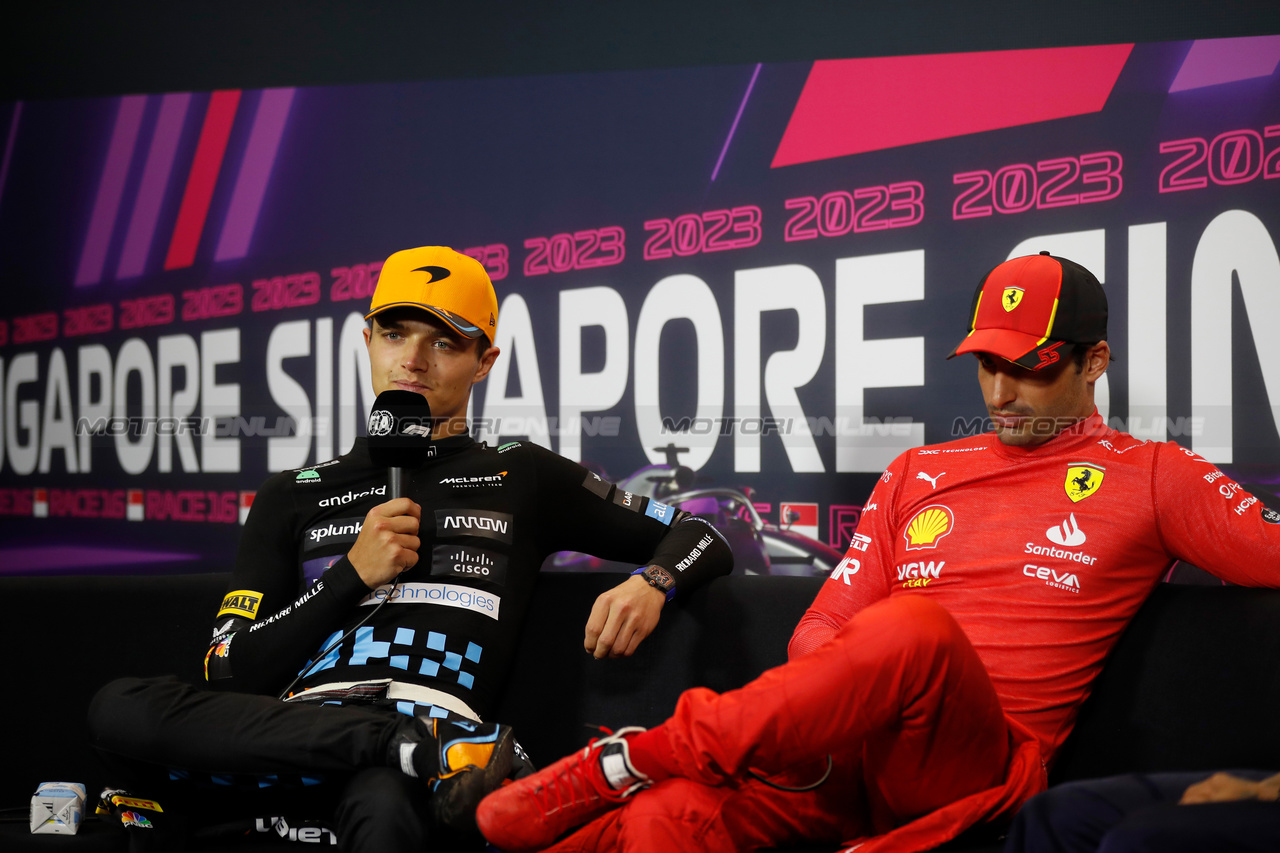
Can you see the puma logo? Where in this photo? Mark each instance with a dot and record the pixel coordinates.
(933, 481)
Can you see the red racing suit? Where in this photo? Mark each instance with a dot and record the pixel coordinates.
(1044, 554)
(943, 662)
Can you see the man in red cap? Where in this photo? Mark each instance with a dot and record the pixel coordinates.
(941, 666)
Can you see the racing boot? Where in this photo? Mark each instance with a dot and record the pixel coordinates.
(461, 761)
(531, 813)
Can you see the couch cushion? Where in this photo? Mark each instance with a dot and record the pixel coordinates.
(1193, 684)
(721, 637)
(64, 637)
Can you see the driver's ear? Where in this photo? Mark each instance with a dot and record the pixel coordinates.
(1096, 360)
(485, 363)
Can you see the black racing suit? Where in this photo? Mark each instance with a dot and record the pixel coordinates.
(490, 517)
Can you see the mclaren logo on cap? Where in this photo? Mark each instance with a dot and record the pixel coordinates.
(1083, 480)
(436, 273)
(928, 527)
(1011, 298)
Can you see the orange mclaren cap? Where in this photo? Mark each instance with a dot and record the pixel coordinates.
(1027, 308)
(452, 286)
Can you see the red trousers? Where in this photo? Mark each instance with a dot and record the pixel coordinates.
(919, 744)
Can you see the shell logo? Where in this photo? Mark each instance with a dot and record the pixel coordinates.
(928, 526)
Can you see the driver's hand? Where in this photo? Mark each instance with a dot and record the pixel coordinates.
(388, 542)
(622, 617)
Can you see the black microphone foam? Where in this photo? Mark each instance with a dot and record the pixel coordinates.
(399, 430)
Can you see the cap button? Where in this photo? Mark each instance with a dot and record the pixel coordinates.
(1045, 252)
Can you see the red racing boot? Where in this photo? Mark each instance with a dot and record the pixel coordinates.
(531, 813)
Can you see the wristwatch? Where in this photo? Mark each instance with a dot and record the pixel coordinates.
(658, 578)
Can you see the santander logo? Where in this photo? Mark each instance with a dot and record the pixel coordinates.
(1067, 534)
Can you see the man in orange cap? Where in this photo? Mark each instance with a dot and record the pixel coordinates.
(940, 668)
(386, 623)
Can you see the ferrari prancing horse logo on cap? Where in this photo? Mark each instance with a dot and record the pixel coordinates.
(1083, 480)
(1011, 298)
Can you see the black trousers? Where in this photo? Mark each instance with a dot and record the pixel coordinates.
(1139, 813)
(328, 760)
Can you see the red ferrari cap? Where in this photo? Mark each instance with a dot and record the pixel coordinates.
(1027, 308)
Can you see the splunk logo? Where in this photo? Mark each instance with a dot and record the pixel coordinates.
(337, 530)
(473, 522)
(1069, 581)
(343, 500)
(443, 594)
(462, 561)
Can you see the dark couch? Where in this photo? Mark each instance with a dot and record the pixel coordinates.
(1192, 685)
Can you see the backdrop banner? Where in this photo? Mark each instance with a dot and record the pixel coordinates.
(731, 284)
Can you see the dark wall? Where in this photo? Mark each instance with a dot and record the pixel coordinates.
(61, 48)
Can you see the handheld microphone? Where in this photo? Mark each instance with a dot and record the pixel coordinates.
(399, 434)
(399, 438)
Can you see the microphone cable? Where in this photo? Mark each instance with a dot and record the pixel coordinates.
(309, 668)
